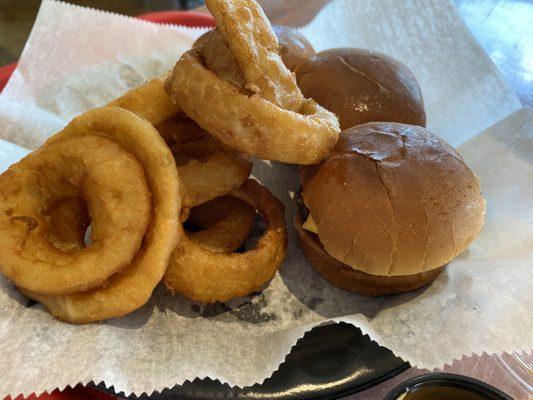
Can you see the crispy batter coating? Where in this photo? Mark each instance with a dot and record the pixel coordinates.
(223, 224)
(206, 168)
(112, 182)
(149, 101)
(251, 124)
(207, 276)
(217, 57)
(267, 116)
(129, 290)
(254, 45)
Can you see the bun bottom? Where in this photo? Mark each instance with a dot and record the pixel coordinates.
(345, 277)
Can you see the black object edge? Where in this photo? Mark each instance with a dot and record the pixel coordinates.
(358, 362)
(440, 379)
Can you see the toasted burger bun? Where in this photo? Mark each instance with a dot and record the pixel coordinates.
(345, 277)
(393, 200)
(362, 86)
(294, 47)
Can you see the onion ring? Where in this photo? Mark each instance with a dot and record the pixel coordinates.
(224, 224)
(129, 290)
(148, 101)
(207, 170)
(251, 124)
(268, 118)
(108, 177)
(254, 45)
(203, 275)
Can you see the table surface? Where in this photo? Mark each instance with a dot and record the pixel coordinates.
(504, 29)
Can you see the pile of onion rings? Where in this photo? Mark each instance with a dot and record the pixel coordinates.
(151, 189)
(267, 117)
(208, 171)
(95, 168)
(135, 220)
(206, 168)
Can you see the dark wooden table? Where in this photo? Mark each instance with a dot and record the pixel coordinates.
(504, 29)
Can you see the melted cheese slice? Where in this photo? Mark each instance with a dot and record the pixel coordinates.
(310, 225)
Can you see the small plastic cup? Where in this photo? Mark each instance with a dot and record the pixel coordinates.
(443, 386)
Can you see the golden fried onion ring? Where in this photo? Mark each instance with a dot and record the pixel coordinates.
(207, 170)
(268, 117)
(129, 290)
(224, 224)
(254, 45)
(95, 168)
(149, 101)
(251, 124)
(207, 276)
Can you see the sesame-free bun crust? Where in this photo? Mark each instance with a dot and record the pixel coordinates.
(345, 277)
(394, 199)
(294, 47)
(362, 86)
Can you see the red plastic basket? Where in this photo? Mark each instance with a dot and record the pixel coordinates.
(162, 17)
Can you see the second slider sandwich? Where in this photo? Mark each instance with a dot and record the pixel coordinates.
(387, 209)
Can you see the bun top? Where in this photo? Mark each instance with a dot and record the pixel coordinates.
(294, 47)
(362, 86)
(394, 199)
